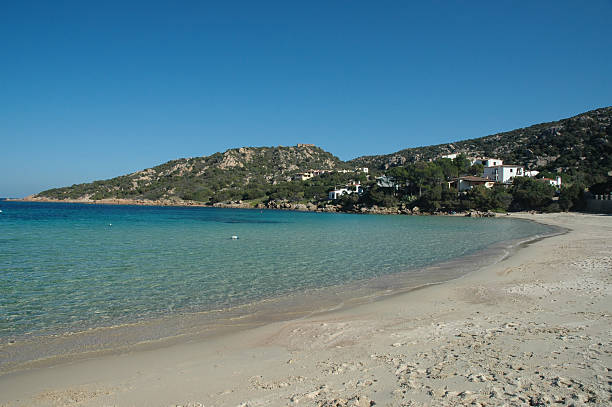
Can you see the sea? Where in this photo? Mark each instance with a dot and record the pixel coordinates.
(79, 279)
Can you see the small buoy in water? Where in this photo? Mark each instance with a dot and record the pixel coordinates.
(110, 224)
(234, 237)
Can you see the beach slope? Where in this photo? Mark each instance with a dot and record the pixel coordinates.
(533, 329)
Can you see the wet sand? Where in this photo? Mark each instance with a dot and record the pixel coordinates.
(535, 328)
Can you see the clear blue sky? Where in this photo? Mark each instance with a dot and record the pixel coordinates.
(91, 90)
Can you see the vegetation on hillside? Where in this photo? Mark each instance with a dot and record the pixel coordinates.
(243, 173)
(426, 186)
(579, 149)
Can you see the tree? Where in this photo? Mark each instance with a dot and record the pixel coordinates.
(476, 170)
(400, 174)
(462, 163)
(348, 201)
(572, 197)
(530, 194)
(448, 167)
(378, 196)
(500, 198)
(253, 193)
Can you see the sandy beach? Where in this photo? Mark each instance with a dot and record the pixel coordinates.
(533, 329)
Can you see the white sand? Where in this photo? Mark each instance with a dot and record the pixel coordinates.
(533, 329)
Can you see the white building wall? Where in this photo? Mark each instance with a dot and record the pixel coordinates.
(464, 185)
(488, 162)
(503, 173)
(555, 182)
(337, 193)
(492, 162)
(511, 172)
(492, 173)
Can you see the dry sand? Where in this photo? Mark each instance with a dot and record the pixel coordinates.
(534, 329)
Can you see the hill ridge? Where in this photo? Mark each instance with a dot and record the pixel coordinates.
(483, 146)
(579, 146)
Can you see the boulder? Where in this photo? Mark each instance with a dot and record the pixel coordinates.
(300, 207)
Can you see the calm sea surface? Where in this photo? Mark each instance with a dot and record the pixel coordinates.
(70, 267)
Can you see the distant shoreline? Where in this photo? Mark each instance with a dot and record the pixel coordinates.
(142, 202)
(329, 208)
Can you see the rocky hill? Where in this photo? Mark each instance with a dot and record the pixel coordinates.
(580, 143)
(235, 172)
(580, 147)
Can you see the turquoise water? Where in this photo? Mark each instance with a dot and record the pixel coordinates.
(69, 267)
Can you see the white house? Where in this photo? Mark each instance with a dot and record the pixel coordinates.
(469, 182)
(554, 182)
(450, 156)
(487, 162)
(531, 173)
(337, 193)
(386, 182)
(503, 173)
(364, 170)
(346, 190)
(303, 176)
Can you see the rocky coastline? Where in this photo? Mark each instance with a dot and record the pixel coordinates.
(276, 205)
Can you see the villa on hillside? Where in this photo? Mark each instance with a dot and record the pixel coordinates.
(352, 187)
(386, 182)
(554, 182)
(468, 182)
(487, 162)
(365, 170)
(503, 173)
(496, 170)
(338, 192)
(303, 176)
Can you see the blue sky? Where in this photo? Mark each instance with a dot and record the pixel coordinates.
(92, 90)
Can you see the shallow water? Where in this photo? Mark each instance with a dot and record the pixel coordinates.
(72, 267)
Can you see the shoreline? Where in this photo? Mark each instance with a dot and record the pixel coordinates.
(117, 201)
(387, 350)
(170, 330)
(283, 206)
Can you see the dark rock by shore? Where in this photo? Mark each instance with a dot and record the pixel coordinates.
(278, 205)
